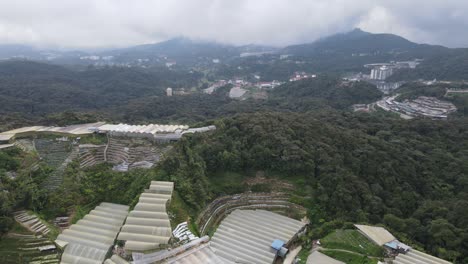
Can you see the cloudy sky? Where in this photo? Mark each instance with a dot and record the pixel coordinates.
(118, 23)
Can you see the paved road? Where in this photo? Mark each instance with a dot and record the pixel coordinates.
(292, 255)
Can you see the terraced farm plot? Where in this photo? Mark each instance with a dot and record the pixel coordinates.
(348, 257)
(351, 240)
(19, 249)
(57, 154)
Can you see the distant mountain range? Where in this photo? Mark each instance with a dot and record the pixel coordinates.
(356, 41)
(350, 50)
(180, 50)
(359, 42)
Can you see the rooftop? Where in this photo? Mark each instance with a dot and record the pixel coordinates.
(319, 258)
(89, 240)
(148, 226)
(246, 235)
(416, 257)
(379, 235)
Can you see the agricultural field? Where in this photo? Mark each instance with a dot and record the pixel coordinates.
(348, 257)
(20, 246)
(351, 247)
(351, 240)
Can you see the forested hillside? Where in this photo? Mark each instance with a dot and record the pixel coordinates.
(331, 91)
(36, 88)
(411, 176)
(449, 65)
(374, 168)
(326, 92)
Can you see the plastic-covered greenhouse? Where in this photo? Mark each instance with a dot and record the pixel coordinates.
(148, 226)
(246, 236)
(89, 240)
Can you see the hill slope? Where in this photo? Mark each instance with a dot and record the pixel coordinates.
(412, 176)
(360, 42)
(37, 88)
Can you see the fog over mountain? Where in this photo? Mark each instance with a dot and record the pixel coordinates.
(106, 24)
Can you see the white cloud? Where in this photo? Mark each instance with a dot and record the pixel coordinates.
(104, 23)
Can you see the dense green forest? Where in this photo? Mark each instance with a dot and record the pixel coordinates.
(35, 93)
(450, 65)
(36, 89)
(412, 176)
(326, 92)
(373, 168)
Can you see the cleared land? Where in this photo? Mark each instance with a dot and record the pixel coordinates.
(351, 240)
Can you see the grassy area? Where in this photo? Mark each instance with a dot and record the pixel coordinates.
(225, 183)
(9, 252)
(19, 229)
(353, 241)
(19, 250)
(303, 254)
(348, 258)
(96, 139)
(80, 212)
(178, 210)
(54, 230)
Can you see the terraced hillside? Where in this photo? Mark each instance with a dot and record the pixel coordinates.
(22, 249)
(31, 222)
(56, 154)
(127, 152)
(216, 211)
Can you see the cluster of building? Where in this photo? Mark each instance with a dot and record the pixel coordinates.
(96, 58)
(239, 84)
(297, 76)
(381, 71)
(268, 85)
(423, 106)
(179, 92)
(384, 86)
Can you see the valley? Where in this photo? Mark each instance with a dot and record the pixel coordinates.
(198, 152)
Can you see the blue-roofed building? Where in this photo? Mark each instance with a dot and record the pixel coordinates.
(398, 246)
(277, 244)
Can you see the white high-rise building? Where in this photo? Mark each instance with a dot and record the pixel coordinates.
(169, 91)
(381, 73)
